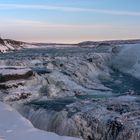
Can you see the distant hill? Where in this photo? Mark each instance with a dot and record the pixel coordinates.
(109, 42)
(12, 45)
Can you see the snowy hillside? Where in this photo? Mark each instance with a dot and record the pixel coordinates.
(11, 45)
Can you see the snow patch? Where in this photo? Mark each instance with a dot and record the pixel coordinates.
(14, 127)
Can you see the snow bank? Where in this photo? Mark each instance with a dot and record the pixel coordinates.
(128, 60)
(14, 127)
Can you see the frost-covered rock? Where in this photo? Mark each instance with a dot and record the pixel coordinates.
(20, 84)
(13, 73)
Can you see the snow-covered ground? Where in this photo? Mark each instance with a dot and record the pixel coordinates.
(14, 127)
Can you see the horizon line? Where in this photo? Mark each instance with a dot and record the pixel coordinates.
(63, 43)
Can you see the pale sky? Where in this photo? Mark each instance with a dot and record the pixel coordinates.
(69, 21)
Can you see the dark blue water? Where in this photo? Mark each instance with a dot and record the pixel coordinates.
(54, 104)
(122, 83)
(40, 70)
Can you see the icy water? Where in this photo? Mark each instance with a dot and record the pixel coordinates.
(55, 104)
(119, 83)
(45, 52)
(123, 83)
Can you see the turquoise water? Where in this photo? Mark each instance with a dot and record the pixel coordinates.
(54, 104)
(122, 83)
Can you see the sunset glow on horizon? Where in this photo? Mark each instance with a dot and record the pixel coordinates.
(69, 21)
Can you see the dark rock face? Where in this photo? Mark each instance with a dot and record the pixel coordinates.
(8, 77)
(2, 41)
(13, 42)
(21, 96)
(3, 86)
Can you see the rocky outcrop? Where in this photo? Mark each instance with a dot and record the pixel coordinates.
(19, 84)
(14, 74)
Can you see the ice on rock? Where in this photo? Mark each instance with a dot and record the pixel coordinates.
(7, 74)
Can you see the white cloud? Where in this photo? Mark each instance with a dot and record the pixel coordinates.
(69, 9)
(39, 24)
